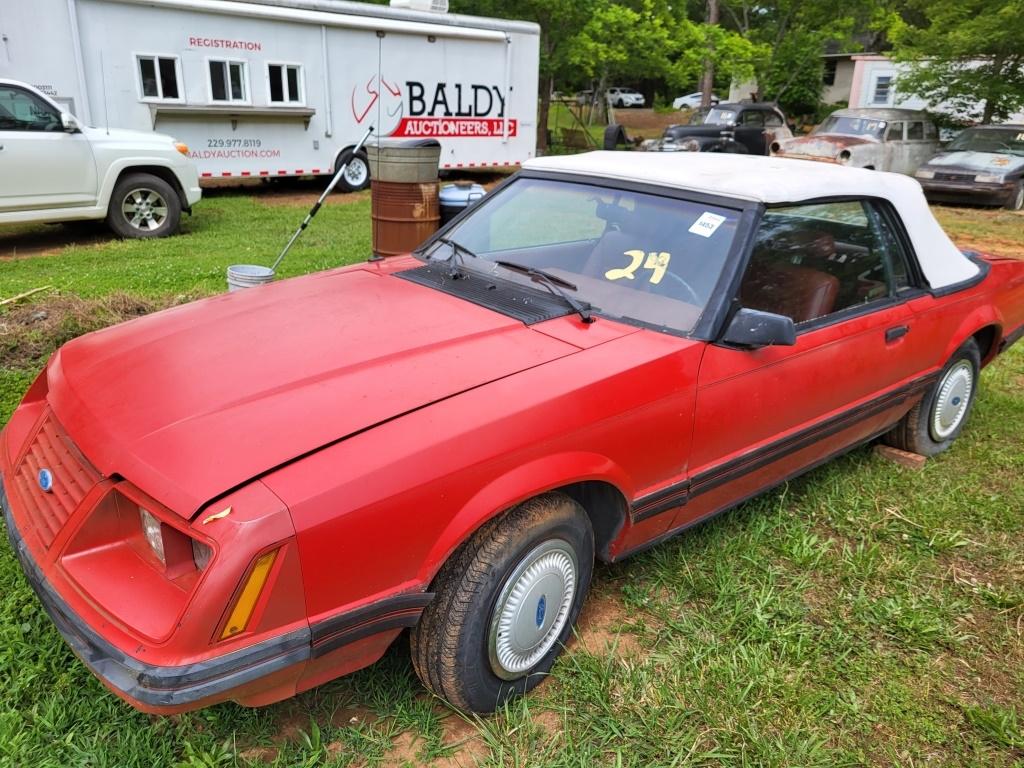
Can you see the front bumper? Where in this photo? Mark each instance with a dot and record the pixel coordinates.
(967, 192)
(150, 686)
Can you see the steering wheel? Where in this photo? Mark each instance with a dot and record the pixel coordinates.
(687, 287)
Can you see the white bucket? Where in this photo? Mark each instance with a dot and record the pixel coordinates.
(248, 275)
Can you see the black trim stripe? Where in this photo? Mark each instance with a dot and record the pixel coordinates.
(396, 612)
(1011, 338)
(678, 494)
(644, 546)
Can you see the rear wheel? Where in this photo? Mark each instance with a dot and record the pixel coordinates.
(142, 206)
(357, 171)
(1016, 201)
(937, 420)
(506, 603)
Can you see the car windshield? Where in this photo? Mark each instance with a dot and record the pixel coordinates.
(713, 116)
(631, 255)
(1004, 140)
(853, 126)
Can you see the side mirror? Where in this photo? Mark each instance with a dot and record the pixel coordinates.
(752, 329)
(70, 123)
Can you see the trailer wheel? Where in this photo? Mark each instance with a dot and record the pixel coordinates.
(357, 174)
(143, 205)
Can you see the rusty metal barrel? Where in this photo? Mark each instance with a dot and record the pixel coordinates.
(404, 194)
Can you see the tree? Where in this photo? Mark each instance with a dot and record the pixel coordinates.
(965, 55)
(559, 20)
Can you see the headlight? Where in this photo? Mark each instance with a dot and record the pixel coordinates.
(154, 536)
(164, 540)
(990, 178)
(690, 145)
(921, 173)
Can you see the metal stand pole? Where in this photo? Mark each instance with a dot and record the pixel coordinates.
(316, 206)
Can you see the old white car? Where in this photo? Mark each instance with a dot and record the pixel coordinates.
(896, 140)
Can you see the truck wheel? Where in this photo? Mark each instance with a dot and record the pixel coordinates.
(356, 175)
(936, 421)
(506, 603)
(143, 205)
(1016, 201)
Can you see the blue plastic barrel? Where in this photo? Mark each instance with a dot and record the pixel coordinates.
(457, 197)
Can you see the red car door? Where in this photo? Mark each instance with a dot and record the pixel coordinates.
(766, 414)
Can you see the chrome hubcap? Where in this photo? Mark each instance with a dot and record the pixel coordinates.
(532, 609)
(144, 209)
(356, 172)
(954, 394)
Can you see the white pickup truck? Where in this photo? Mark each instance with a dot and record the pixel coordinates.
(52, 168)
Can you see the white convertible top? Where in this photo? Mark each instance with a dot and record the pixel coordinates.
(775, 181)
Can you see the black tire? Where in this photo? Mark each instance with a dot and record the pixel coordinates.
(357, 175)
(142, 206)
(455, 645)
(619, 104)
(1016, 200)
(922, 430)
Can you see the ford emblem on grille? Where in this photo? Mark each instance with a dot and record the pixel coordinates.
(46, 480)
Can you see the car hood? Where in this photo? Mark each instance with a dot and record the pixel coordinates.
(126, 136)
(192, 402)
(823, 144)
(977, 162)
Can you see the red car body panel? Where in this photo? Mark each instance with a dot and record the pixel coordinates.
(361, 427)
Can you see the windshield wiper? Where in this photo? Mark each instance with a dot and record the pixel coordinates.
(553, 283)
(458, 250)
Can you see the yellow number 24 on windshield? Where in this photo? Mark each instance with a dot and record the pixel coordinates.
(656, 262)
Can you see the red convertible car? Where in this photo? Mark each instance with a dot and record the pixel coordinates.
(242, 498)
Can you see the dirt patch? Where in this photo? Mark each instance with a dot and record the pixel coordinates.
(30, 332)
(463, 737)
(996, 246)
(648, 119)
(49, 239)
(353, 716)
(601, 627)
(258, 755)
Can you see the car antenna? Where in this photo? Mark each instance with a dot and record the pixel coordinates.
(318, 203)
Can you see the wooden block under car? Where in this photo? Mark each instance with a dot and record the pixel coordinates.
(903, 458)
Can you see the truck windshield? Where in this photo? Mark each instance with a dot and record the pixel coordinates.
(853, 126)
(630, 255)
(1000, 140)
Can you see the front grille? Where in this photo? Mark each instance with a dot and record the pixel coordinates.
(52, 449)
(942, 176)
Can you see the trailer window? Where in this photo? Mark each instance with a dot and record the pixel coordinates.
(285, 83)
(158, 76)
(228, 81)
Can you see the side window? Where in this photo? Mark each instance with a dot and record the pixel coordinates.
(285, 83)
(915, 131)
(228, 81)
(752, 118)
(158, 78)
(24, 111)
(894, 132)
(930, 131)
(811, 261)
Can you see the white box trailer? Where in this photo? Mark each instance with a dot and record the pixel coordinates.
(274, 88)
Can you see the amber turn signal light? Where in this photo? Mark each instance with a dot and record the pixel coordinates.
(181, 147)
(239, 617)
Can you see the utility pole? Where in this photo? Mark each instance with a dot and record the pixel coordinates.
(707, 81)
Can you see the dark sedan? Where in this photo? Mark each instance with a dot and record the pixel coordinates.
(738, 128)
(982, 165)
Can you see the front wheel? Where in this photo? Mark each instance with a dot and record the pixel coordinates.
(143, 206)
(937, 420)
(1016, 200)
(357, 171)
(505, 604)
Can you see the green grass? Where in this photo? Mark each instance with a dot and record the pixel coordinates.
(864, 614)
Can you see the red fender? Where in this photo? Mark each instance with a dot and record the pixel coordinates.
(516, 486)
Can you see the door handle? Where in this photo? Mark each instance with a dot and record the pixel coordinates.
(898, 332)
